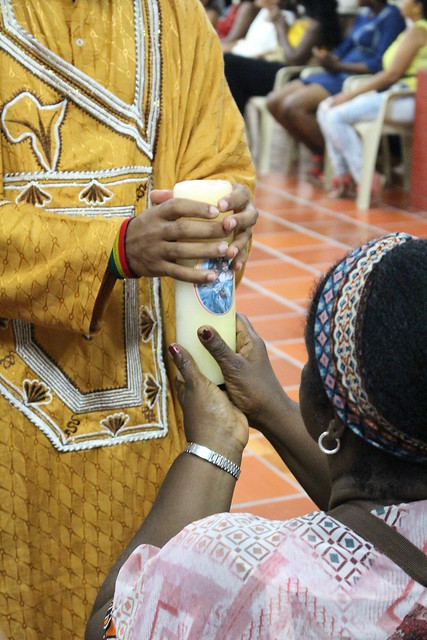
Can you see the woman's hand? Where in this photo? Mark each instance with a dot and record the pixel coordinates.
(210, 419)
(249, 378)
(252, 386)
(340, 98)
(275, 14)
(326, 59)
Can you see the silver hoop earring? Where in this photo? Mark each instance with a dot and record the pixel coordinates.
(329, 452)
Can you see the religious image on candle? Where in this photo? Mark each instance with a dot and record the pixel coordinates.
(211, 303)
(216, 297)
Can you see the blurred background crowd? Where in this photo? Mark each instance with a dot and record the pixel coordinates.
(336, 76)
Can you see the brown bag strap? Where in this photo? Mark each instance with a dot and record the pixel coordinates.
(389, 541)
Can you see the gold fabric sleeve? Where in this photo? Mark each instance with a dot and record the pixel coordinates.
(53, 266)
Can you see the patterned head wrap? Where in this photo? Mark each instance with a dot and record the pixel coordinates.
(336, 350)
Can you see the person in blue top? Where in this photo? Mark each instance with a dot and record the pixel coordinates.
(295, 106)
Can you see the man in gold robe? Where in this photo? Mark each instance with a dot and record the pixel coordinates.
(102, 102)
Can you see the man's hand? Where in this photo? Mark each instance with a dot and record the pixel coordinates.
(176, 229)
(240, 222)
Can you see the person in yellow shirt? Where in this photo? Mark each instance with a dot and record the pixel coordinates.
(105, 105)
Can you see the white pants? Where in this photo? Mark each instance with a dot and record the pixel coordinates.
(343, 144)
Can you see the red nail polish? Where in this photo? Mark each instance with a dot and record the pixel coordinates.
(206, 334)
(173, 350)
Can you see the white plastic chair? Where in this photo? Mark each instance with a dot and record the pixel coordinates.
(374, 136)
(372, 133)
(262, 137)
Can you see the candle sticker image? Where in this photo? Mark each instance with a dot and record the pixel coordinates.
(217, 296)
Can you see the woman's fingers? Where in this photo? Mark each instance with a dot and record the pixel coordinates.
(209, 416)
(217, 347)
(185, 364)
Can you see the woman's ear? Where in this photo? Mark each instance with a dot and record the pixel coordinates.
(330, 440)
(336, 428)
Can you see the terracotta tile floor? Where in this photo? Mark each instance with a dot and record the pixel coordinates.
(299, 234)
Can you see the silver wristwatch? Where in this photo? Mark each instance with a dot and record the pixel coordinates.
(214, 458)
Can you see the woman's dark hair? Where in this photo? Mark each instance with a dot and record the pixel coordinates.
(391, 334)
(424, 3)
(325, 12)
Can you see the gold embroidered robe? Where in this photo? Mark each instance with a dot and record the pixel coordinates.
(101, 101)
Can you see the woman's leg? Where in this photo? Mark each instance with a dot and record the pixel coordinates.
(276, 100)
(342, 133)
(403, 109)
(295, 109)
(248, 77)
(338, 162)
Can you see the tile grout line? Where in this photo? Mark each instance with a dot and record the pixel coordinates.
(286, 341)
(275, 316)
(283, 355)
(293, 226)
(294, 483)
(272, 500)
(270, 294)
(283, 257)
(323, 209)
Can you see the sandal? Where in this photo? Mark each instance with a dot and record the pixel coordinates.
(342, 186)
(315, 173)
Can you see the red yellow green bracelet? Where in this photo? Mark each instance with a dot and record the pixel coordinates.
(118, 263)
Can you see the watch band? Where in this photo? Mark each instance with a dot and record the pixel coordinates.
(214, 458)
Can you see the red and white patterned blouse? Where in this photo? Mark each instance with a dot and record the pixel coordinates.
(241, 577)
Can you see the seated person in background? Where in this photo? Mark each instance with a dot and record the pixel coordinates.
(336, 115)
(348, 6)
(212, 574)
(212, 10)
(347, 12)
(318, 26)
(233, 25)
(295, 106)
(261, 37)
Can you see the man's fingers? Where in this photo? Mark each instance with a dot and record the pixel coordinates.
(158, 196)
(237, 200)
(188, 230)
(174, 208)
(185, 274)
(245, 213)
(194, 250)
(242, 221)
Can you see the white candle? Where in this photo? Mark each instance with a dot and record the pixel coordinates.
(211, 303)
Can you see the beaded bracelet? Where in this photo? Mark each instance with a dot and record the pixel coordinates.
(214, 458)
(117, 262)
